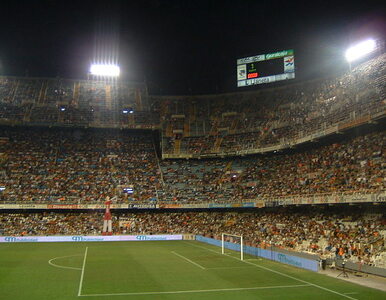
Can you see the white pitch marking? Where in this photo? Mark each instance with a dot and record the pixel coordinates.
(63, 267)
(221, 268)
(187, 259)
(277, 272)
(198, 291)
(352, 293)
(82, 275)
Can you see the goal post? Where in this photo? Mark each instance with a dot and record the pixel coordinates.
(227, 239)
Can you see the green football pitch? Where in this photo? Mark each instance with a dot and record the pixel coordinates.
(157, 270)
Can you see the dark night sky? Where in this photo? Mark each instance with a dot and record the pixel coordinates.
(184, 46)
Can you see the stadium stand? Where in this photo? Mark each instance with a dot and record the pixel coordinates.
(71, 166)
(40, 101)
(84, 165)
(217, 125)
(208, 125)
(355, 165)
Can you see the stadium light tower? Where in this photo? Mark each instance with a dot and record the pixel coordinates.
(359, 50)
(105, 70)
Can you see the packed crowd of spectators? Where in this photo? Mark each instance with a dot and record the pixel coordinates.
(352, 165)
(354, 233)
(76, 165)
(42, 165)
(80, 165)
(276, 115)
(50, 224)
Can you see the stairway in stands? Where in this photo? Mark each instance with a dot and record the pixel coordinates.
(108, 97)
(43, 92)
(217, 144)
(177, 146)
(76, 94)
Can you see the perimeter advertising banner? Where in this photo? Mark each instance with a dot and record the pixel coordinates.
(85, 238)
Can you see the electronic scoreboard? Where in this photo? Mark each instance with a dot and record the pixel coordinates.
(266, 68)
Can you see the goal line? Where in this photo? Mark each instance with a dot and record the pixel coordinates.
(232, 242)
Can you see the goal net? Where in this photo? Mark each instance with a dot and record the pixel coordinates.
(232, 242)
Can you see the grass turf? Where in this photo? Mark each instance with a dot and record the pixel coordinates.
(157, 270)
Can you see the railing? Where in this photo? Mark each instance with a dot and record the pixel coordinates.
(369, 196)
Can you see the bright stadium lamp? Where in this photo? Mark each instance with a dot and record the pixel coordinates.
(360, 50)
(104, 70)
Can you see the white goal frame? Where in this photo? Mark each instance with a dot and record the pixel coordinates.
(223, 235)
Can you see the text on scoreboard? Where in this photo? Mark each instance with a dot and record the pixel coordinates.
(266, 68)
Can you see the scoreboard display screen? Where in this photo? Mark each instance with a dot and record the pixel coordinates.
(266, 68)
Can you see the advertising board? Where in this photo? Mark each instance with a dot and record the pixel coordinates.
(85, 238)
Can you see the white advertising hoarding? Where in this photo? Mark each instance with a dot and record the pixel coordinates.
(85, 238)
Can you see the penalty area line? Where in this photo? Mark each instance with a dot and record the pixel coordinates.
(225, 268)
(277, 272)
(187, 259)
(82, 275)
(198, 291)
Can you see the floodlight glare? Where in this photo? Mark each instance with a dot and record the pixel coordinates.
(360, 50)
(105, 70)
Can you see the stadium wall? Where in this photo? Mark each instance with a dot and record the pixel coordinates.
(293, 260)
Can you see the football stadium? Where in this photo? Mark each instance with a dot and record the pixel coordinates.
(252, 174)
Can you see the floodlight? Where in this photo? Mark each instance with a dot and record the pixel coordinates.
(105, 70)
(360, 50)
